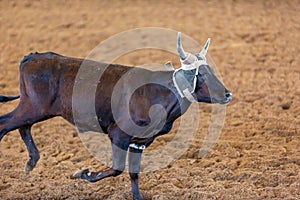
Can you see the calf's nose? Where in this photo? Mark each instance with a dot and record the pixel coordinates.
(228, 95)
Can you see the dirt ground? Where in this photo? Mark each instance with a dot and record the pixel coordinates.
(255, 45)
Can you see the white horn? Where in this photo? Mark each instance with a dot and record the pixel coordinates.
(180, 50)
(205, 48)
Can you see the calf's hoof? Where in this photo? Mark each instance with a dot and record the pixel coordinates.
(28, 168)
(79, 174)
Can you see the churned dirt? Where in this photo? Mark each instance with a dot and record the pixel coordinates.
(255, 45)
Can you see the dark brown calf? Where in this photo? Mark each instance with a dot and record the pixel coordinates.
(46, 85)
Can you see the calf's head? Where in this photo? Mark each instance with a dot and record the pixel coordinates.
(209, 88)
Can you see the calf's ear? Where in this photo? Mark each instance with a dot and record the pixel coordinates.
(169, 66)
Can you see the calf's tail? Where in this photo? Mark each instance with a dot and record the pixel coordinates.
(4, 99)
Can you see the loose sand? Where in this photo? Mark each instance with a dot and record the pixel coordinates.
(255, 45)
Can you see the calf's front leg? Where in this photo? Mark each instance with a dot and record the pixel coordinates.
(134, 162)
(120, 143)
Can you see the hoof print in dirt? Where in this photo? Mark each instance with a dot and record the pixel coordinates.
(286, 106)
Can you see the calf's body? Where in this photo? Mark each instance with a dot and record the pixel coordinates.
(132, 105)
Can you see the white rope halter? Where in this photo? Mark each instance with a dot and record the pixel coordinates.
(190, 63)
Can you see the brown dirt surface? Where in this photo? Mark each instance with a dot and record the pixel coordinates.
(255, 45)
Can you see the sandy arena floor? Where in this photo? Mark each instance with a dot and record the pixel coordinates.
(255, 45)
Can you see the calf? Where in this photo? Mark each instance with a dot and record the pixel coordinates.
(46, 86)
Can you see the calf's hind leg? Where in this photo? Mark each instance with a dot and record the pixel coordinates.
(33, 152)
(22, 118)
(16, 119)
